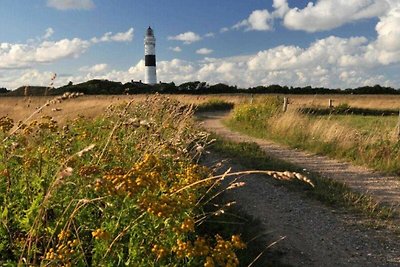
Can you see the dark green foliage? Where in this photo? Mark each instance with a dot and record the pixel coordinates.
(345, 109)
(196, 87)
(214, 105)
(3, 90)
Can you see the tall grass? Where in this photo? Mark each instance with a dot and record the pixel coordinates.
(356, 138)
(123, 189)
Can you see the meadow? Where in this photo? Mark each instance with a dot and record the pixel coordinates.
(365, 140)
(115, 180)
(19, 108)
(117, 186)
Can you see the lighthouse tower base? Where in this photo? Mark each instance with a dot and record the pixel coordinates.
(150, 75)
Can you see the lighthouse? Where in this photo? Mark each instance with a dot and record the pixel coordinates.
(150, 75)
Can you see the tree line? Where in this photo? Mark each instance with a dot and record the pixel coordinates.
(197, 87)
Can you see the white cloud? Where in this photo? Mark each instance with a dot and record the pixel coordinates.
(176, 70)
(204, 51)
(209, 35)
(186, 38)
(259, 20)
(224, 29)
(330, 62)
(175, 49)
(70, 4)
(49, 33)
(98, 68)
(281, 8)
(388, 30)
(118, 37)
(50, 51)
(26, 55)
(330, 14)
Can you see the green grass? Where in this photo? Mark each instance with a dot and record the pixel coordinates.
(364, 124)
(104, 192)
(214, 104)
(329, 192)
(364, 140)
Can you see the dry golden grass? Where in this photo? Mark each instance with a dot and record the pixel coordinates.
(359, 101)
(19, 108)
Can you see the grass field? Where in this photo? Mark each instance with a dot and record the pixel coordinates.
(99, 180)
(19, 108)
(120, 189)
(365, 140)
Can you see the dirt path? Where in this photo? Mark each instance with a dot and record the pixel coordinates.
(316, 235)
(384, 188)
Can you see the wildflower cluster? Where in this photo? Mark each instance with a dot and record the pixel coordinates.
(124, 188)
(221, 254)
(6, 124)
(45, 123)
(64, 252)
(100, 234)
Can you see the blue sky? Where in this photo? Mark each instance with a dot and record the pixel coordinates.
(332, 43)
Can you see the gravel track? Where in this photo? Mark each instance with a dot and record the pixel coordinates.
(316, 235)
(384, 188)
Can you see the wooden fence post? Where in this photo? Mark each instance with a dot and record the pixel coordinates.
(330, 103)
(398, 128)
(285, 103)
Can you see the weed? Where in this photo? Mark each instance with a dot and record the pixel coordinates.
(121, 189)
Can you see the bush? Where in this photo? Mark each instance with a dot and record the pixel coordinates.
(214, 105)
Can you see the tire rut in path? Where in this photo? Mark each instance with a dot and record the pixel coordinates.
(383, 188)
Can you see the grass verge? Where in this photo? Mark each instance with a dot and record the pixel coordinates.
(363, 140)
(329, 192)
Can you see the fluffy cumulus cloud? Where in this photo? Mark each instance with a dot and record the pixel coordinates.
(259, 20)
(281, 8)
(175, 49)
(204, 51)
(26, 55)
(118, 37)
(330, 14)
(98, 68)
(186, 38)
(387, 45)
(330, 62)
(319, 16)
(70, 4)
